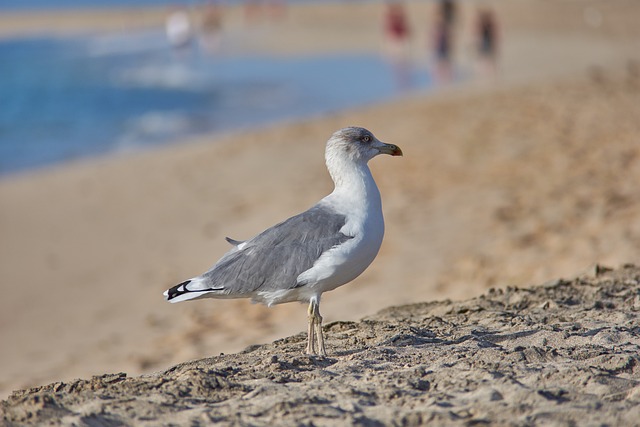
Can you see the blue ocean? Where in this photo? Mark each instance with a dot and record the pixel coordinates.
(72, 97)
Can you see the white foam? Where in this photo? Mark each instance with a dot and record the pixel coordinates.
(152, 126)
(171, 76)
(126, 43)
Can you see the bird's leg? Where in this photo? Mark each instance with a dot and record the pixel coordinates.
(318, 325)
(311, 340)
(315, 330)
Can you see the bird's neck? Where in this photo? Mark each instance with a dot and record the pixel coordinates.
(353, 181)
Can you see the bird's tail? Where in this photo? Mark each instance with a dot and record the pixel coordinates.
(189, 289)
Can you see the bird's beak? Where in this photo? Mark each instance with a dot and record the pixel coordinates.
(391, 149)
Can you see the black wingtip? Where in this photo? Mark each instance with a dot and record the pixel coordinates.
(178, 290)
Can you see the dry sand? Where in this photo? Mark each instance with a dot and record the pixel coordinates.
(566, 353)
(500, 184)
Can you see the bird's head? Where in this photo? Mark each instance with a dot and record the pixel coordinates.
(358, 144)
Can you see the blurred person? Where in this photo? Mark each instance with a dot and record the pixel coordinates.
(397, 35)
(449, 12)
(211, 27)
(396, 25)
(487, 42)
(179, 29)
(442, 41)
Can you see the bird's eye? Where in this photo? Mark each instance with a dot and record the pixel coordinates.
(366, 138)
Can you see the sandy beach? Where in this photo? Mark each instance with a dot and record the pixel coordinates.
(515, 181)
(564, 353)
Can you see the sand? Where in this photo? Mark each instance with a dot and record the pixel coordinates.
(510, 182)
(566, 353)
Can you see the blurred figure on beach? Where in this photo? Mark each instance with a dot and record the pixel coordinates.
(396, 28)
(443, 40)
(449, 11)
(397, 36)
(179, 29)
(487, 40)
(211, 27)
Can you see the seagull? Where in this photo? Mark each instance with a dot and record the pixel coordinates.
(313, 252)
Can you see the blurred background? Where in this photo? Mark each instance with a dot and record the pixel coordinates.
(136, 134)
(122, 75)
(113, 80)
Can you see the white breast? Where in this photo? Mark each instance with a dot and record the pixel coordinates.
(360, 203)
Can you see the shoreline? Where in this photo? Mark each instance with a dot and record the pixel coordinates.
(610, 46)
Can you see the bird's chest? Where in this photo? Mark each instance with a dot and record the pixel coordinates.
(364, 224)
(360, 204)
(367, 232)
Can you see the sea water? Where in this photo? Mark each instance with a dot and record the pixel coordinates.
(71, 97)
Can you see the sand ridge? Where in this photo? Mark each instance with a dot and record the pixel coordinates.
(565, 353)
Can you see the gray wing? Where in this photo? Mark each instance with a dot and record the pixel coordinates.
(276, 257)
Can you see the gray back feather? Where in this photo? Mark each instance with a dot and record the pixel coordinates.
(276, 257)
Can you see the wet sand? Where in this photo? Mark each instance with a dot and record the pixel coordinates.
(516, 181)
